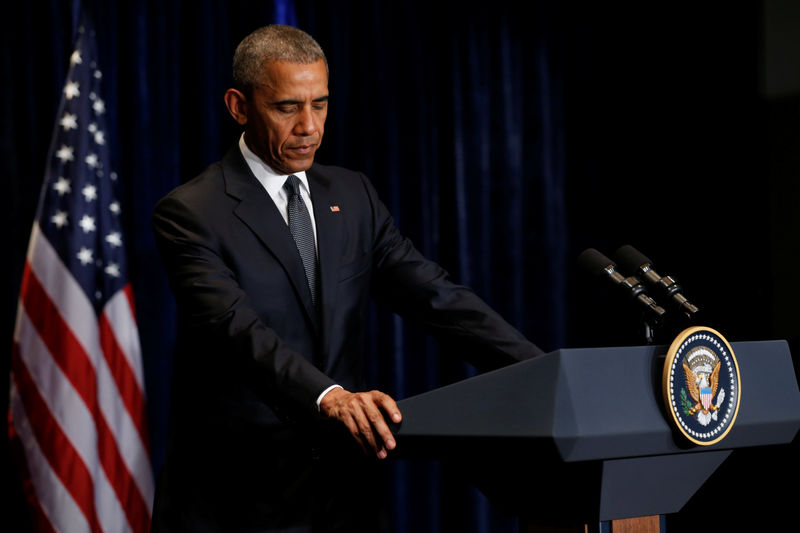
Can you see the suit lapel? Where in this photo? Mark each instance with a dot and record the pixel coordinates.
(328, 220)
(257, 210)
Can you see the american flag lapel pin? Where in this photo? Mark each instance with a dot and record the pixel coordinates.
(334, 208)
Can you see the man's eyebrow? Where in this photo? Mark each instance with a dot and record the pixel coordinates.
(293, 102)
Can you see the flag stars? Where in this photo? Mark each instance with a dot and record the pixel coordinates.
(85, 256)
(89, 192)
(114, 207)
(72, 90)
(65, 153)
(99, 106)
(114, 239)
(112, 270)
(92, 160)
(59, 219)
(99, 135)
(61, 186)
(75, 58)
(69, 122)
(87, 224)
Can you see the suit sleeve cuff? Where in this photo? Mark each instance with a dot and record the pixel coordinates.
(326, 391)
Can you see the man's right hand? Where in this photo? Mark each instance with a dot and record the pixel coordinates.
(362, 413)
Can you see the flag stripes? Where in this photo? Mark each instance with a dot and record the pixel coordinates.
(83, 339)
(55, 446)
(121, 313)
(130, 393)
(68, 411)
(54, 508)
(104, 387)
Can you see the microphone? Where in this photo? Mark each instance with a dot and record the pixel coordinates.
(633, 260)
(597, 264)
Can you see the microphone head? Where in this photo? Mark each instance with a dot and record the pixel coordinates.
(594, 262)
(630, 258)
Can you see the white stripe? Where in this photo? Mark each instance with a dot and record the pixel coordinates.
(56, 502)
(75, 307)
(110, 513)
(71, 414)
(123, 324)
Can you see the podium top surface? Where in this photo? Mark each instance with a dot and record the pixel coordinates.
(600, 403)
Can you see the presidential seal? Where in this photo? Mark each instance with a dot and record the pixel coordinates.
(702, 386)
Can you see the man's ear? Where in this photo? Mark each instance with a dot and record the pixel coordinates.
(236, 102)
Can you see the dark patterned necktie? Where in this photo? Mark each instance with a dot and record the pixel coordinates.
(303, 232)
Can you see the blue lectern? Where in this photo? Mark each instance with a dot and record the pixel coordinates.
(581, 436)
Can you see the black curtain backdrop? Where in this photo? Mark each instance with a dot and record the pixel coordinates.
(505, 138)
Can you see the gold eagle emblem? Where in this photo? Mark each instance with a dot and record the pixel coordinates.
(699, 380)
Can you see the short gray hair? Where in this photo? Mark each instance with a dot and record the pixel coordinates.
(275, 42)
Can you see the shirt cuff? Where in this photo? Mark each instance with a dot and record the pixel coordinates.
(326, 391)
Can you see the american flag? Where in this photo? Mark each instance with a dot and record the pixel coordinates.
(77, 422)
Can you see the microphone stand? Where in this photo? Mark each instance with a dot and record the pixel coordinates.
(652, 327)
(649, 335)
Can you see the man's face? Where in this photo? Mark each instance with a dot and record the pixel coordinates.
(286, 115)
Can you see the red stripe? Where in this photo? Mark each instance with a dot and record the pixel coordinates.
(55, 445)
(39, 519)
(128, 290)
(74, 362)
(123, 375)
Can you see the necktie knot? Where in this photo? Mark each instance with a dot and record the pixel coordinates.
(292, 185)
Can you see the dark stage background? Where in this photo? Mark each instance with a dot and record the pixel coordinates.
(505, 140)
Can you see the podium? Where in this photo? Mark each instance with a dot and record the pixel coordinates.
(581, 436)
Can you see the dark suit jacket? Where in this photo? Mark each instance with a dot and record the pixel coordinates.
(254, 352)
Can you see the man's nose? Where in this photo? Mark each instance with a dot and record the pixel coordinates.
(306, 122)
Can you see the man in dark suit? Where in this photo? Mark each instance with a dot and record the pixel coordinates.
(272, 259)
